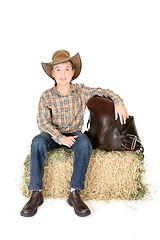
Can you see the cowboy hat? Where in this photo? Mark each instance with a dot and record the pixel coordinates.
(62, 56)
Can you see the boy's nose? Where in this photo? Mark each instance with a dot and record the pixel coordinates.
(63, 73)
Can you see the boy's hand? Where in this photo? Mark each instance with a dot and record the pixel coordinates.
(121, 110)
(68, 141)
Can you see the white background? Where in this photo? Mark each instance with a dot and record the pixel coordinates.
(119, 43)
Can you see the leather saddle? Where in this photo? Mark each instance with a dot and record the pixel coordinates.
(107, 133)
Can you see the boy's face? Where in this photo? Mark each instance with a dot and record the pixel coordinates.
(63, 73)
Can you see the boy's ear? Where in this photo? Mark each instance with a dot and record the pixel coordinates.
(73, 72)
(52, 73)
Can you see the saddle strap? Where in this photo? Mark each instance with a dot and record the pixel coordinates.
(131, 142)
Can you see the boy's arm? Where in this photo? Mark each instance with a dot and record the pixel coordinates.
(120, 109)
(44, 121)
(45, 124)
(90, 92)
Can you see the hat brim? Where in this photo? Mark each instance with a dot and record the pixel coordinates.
(77, 65)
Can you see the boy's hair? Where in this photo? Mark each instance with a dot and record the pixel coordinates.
(68, 61)
(71, 64)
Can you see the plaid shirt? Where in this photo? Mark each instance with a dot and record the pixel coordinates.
(58, 114)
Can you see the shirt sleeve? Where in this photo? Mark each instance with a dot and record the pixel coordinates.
(90, 92)
(44, 120)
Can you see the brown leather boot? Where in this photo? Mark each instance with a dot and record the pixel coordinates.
(79, 206)
(30, 209)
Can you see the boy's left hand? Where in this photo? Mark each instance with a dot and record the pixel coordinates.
(121, 110)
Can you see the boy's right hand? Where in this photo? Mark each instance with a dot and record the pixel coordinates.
(68, 141)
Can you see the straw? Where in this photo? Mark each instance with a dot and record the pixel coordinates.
(110, 175)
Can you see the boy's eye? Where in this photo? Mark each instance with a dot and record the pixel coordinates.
(68, 69)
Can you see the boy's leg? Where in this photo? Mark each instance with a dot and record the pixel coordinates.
(82, 151)
(41, 144)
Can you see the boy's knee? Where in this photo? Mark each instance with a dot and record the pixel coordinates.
(38, 140)
(84, 141)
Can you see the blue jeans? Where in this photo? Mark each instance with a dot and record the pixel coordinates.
(43, 143)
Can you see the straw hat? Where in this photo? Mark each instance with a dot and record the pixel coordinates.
(62, 56)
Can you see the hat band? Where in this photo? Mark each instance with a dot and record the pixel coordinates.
(60, 60)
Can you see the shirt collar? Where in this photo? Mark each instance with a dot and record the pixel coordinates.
(71, 90)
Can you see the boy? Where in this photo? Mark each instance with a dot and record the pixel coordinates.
(60, 120)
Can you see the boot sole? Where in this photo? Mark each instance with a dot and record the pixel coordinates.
(77, 213)
(33, 213)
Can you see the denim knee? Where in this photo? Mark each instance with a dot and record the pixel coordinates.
(38, 141)
(84, 141)
(41, 139)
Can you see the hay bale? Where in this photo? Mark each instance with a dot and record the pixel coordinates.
(110, 175)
